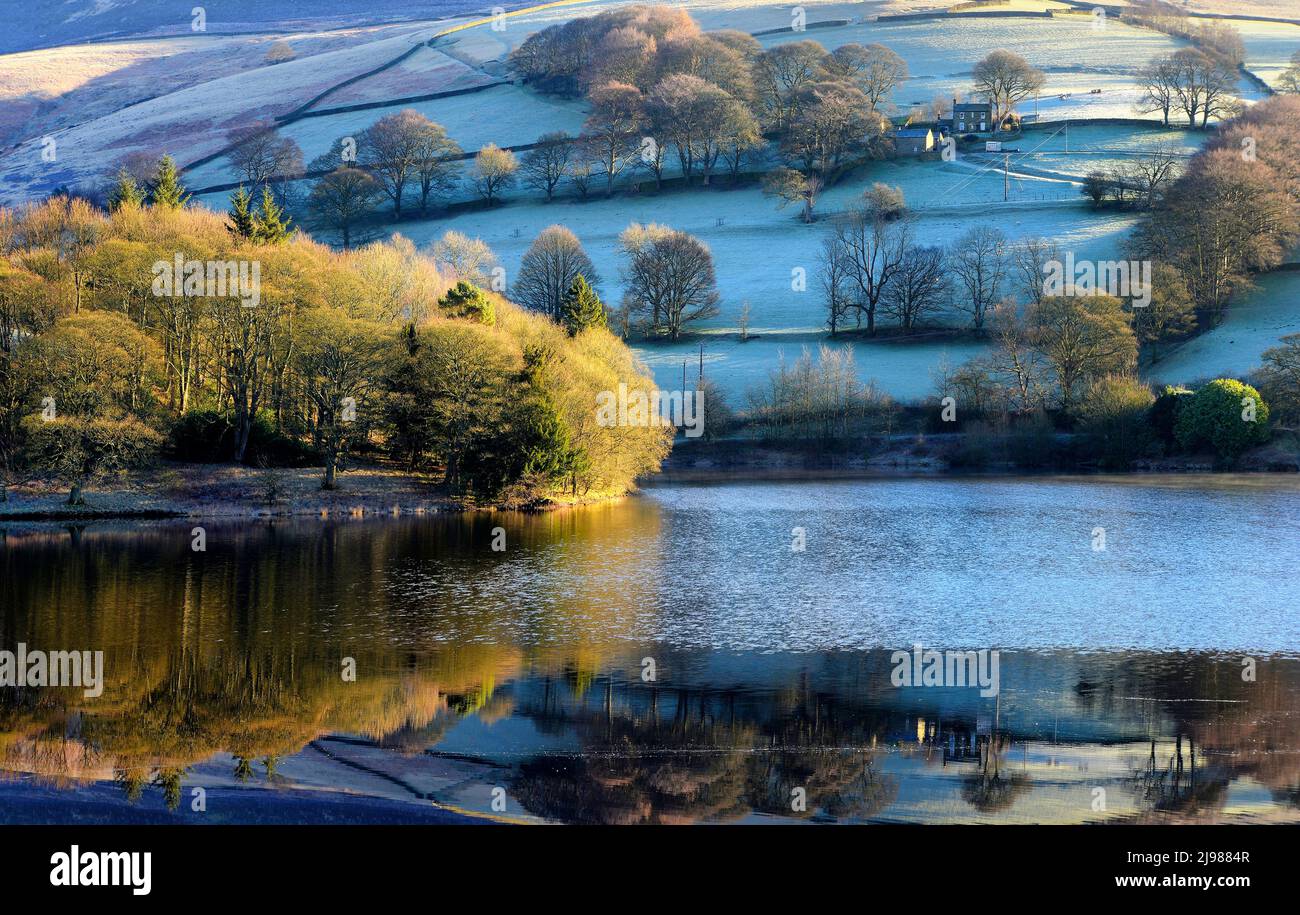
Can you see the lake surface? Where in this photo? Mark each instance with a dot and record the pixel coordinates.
(719, 653)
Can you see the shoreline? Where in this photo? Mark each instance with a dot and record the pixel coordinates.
(237, 493)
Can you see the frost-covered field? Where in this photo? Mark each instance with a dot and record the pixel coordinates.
(904, 369)
(1074, 152)
(46, 23)
(45, 90)
(188, 124)
(193, 122)
(939, 53)
(1269, 46)
(757, 246)
(504, 115)
(427, 70)
(1278, 9)
(1254, 323)
(1077, 58)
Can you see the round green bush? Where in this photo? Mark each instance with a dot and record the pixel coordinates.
(1219, 416)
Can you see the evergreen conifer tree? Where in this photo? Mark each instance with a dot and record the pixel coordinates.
(125, 192)
(581, 307)
(270, 225)
(168, 192)
(241, 214)
(465, 300)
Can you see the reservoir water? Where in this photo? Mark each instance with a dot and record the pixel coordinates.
(719, 653)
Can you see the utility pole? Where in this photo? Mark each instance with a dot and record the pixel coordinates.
(701, 363)
(1006, 177)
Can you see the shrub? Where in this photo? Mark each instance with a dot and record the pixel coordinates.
(1164, 415)
(713, 411)
(1279, 380)
(1114, 420)
(207, 436)
(268, 448)
(1031, 443)
(1225, 415)
(976, 449)
(885, 200)
(80, 450)
(202, 436)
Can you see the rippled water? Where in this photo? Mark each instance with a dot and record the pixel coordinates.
(673, 658)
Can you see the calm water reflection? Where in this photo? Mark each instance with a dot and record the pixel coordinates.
(1122, 696)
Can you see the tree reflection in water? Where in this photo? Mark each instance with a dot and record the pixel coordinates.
(235, 656)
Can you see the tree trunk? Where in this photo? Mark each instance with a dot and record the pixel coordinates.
(243, 431)
(331, 463)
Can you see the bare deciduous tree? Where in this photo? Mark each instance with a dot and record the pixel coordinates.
(1158, 81)
(829, 121)
(435, 162)
(834, 278)
(780, 71)
(1151, 173)
(494, 170)
(548, 269)
(1029, 259)
(614, 127)
(465, 258)
(581, 170)
(978, 261)
(1082, 338)
(669, 277)
(1005, 78)
(740, 138)
(396, 149)
(545, 166)
(259, 154)
(1289, 80)
(1016, 360)
(344, 197)
(874, 248)
(1203, 85)
(688, 113)
(920, 286)
(874, 69)
(793, 186)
